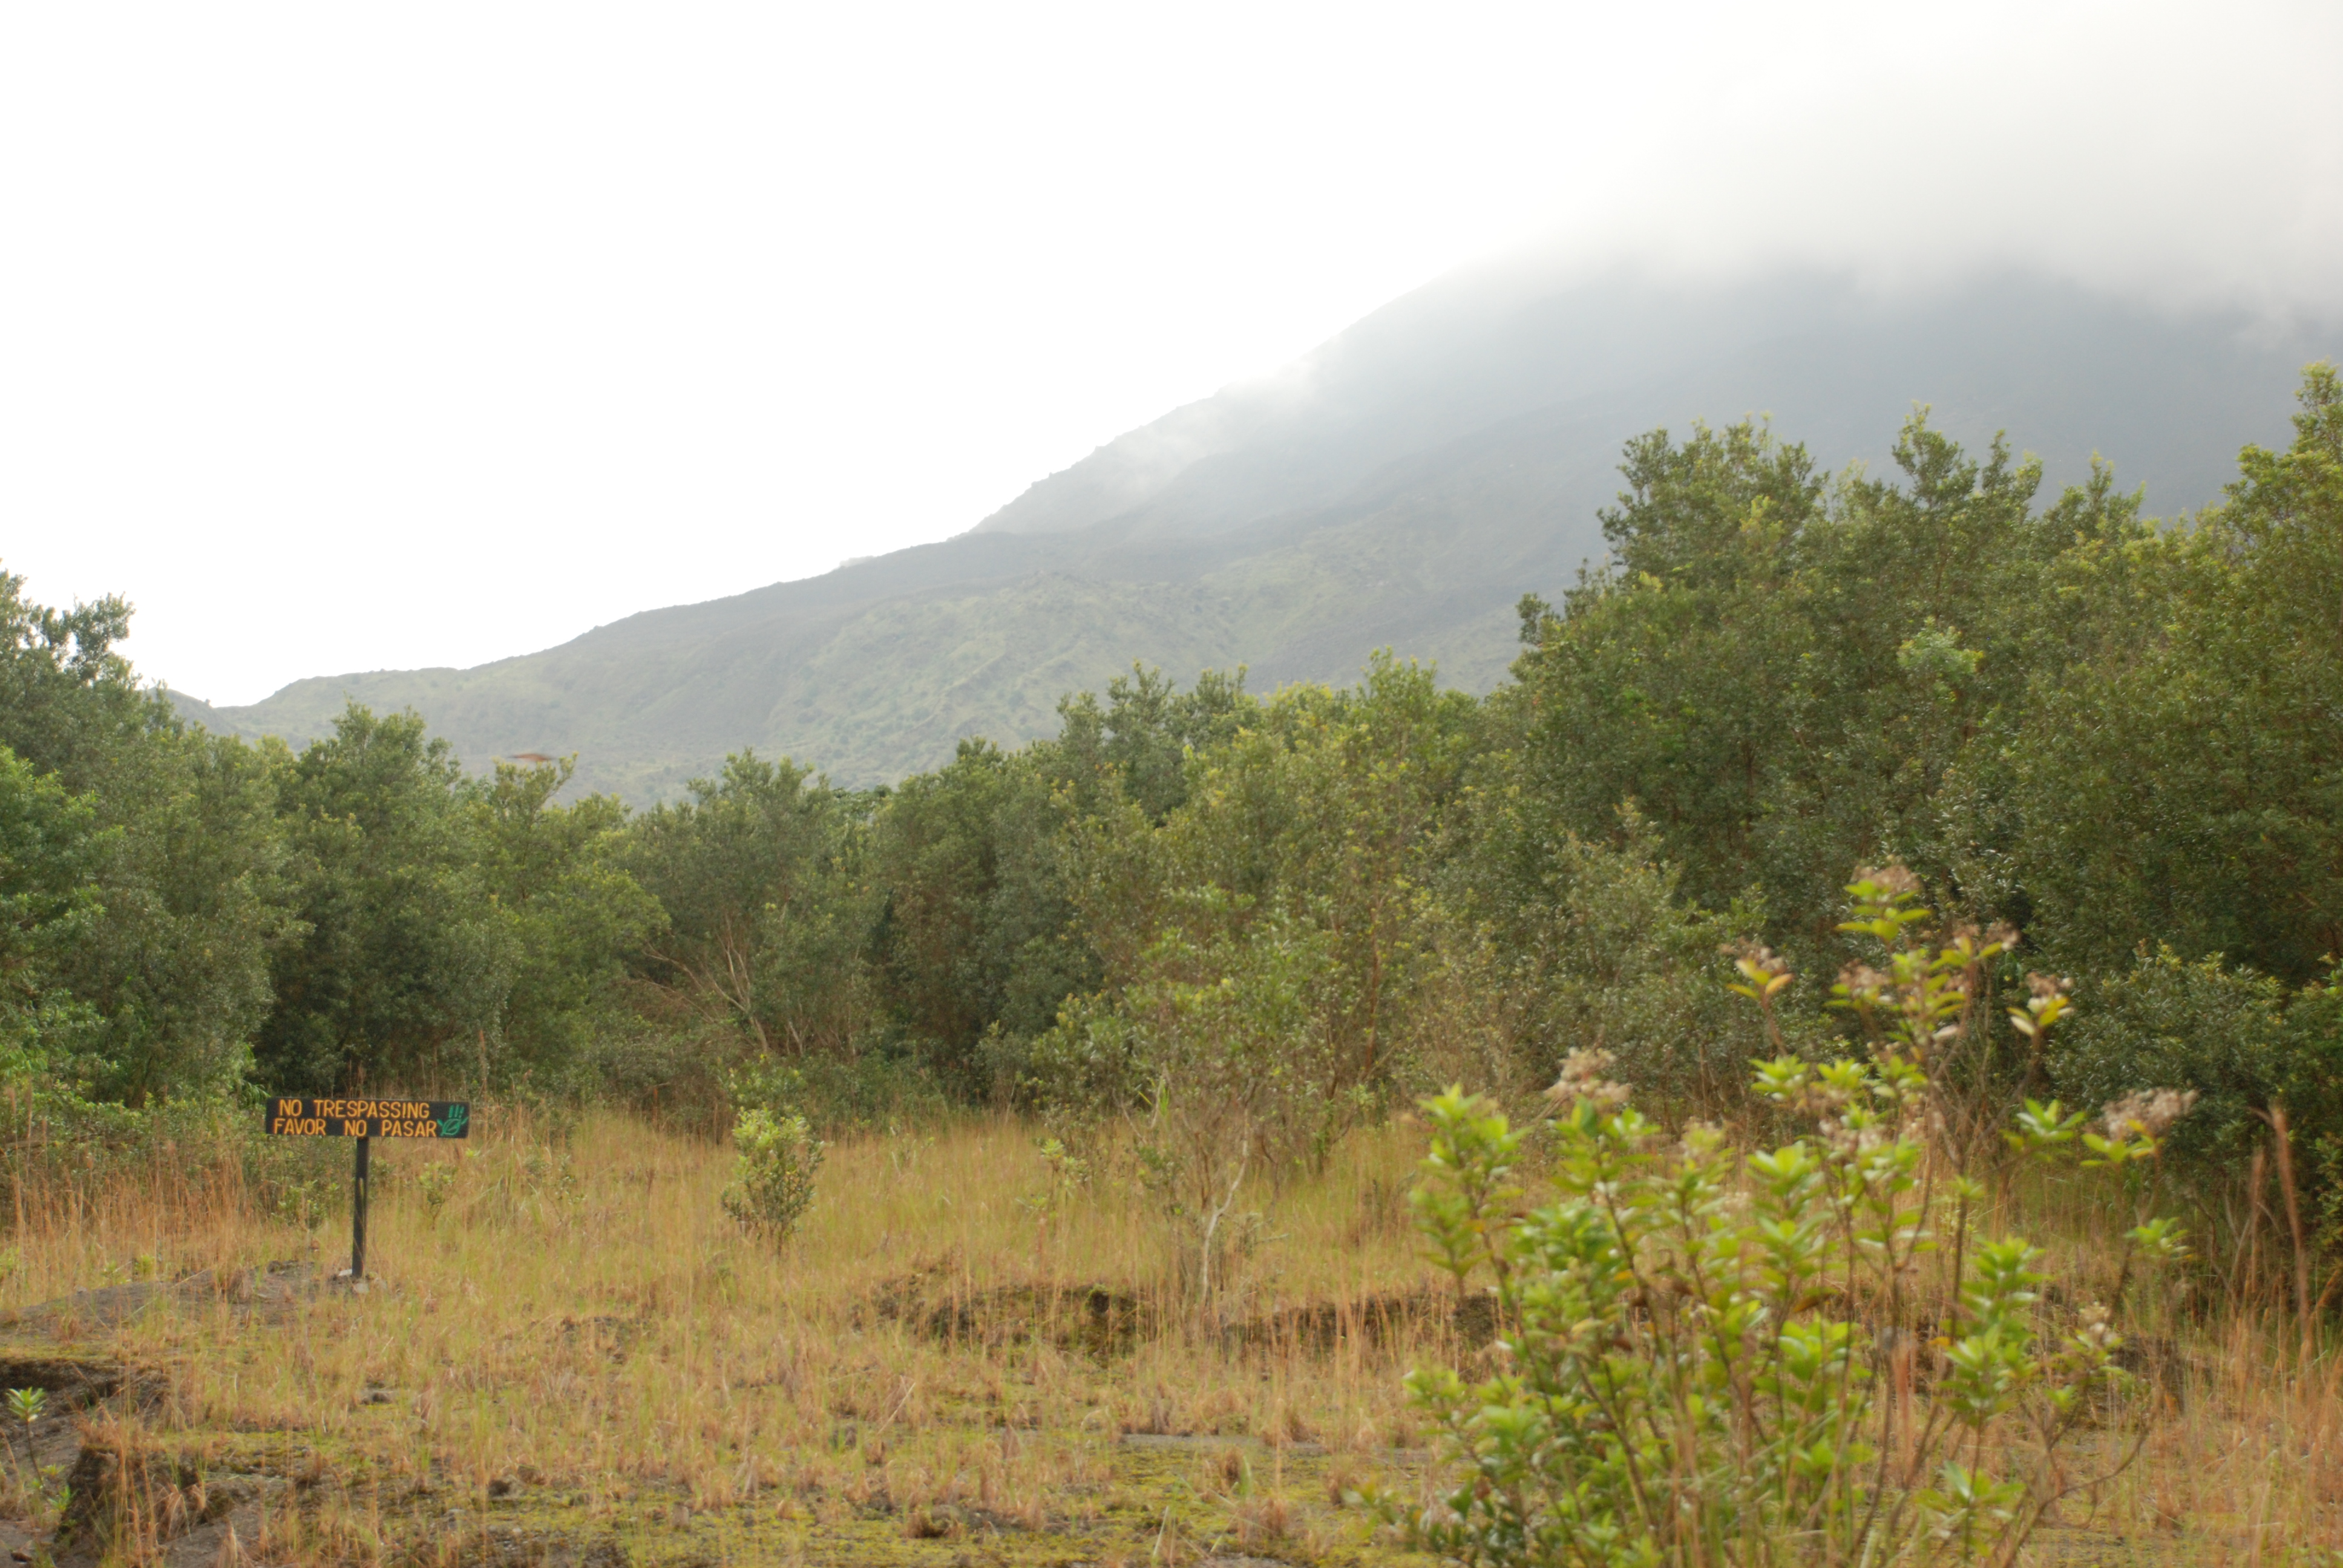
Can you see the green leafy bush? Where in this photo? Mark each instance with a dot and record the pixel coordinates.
(1801, 1355)
(1592, 944)
(2265, 1063)
(780, 1155)
(1220, 1057)
(779, 1158)
(2241, 1040)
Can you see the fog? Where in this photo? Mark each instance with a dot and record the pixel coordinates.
(2182, 155)
(340, 341)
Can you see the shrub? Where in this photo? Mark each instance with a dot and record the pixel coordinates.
(1220, 1057)
(778, 1157)
(61, 1151)
(1596, 948)
(780, 1154)
(2266, 1066)
(2240, 1040)
(1804, 1355)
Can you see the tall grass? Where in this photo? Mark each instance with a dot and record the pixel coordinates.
(570, 1315)
(576, 1314)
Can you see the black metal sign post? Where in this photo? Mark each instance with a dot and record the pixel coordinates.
(365, 1120)
(357, 1210)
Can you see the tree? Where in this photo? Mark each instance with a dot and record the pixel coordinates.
(1782, 675)
(573, 912)
(50, 850)
(766, 904)
(1296, 867)
(1143, 736)
(405, 962)
(975, 937)
(2184, 781)
(1594, 949)
(171, 971)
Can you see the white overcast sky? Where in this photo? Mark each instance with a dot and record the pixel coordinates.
(342, 338)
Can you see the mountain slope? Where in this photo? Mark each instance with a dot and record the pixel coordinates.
(1401, 487)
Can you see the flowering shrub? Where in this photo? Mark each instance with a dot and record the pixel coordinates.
(1800, 1355)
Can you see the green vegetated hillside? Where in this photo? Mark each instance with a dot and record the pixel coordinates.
(1401, 488)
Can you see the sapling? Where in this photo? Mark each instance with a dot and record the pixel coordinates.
(436, 1182)
(780, 1154)
(779, 1158)
(24, 1408)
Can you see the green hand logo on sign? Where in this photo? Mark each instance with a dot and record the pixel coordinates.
(452, 1125)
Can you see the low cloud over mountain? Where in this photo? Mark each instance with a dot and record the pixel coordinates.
(1400, 487)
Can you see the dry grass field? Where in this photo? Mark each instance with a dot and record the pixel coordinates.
(568, 1353)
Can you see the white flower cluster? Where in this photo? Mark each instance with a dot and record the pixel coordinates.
(2147, 1115)
(1583, 1079)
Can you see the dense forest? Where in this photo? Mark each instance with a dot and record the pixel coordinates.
(1207, 909)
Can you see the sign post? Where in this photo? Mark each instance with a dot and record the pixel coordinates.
(357, 1210)
(365, 1120)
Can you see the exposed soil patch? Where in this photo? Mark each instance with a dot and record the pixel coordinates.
(1386, 1322)
(74, 1385)
(127, 1497)
(267, 1292)
(1102, 1321)
(1090, 1319)
(77, 1383)
(118, 1492)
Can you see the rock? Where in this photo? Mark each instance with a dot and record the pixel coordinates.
(268, 1291)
